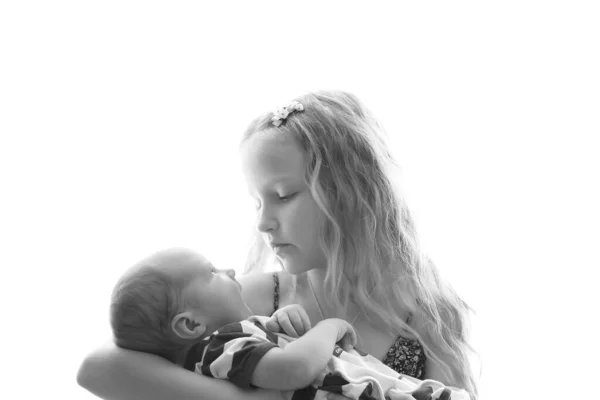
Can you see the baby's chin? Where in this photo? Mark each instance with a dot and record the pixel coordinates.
(242, 312)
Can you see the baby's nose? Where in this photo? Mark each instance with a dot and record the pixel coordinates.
(230, 273)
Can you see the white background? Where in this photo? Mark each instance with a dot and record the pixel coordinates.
(120, 124)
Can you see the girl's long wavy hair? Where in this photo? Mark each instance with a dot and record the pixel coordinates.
(368, 237)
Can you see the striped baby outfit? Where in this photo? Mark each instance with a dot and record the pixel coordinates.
(233, 352)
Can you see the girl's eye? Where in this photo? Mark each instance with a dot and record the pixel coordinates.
(287, 198)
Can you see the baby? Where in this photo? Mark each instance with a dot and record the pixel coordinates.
(177, 305)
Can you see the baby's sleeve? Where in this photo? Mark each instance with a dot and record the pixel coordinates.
(234, 351)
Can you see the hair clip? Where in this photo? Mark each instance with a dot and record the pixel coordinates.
(281, 113)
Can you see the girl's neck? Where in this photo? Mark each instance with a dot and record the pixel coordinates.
(316, 284)
(317, 277)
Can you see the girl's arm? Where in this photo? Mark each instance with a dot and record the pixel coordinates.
(302, 361)
(112, 373)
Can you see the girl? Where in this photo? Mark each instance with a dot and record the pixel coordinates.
(328, 210)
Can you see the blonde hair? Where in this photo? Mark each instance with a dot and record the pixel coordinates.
(369, 238)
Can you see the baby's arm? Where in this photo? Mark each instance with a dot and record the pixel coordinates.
(300, 362)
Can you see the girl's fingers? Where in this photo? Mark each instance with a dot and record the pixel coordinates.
(353, 338)
(349, 339)
(346, 344)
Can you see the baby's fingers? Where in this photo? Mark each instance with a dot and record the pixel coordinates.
(300, 321)
(286, 324)
(273, 325)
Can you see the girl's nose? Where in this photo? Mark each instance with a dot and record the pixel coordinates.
(265, 221)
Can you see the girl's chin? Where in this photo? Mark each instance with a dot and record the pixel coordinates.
(292, 268)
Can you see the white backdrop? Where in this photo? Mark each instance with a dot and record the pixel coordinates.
(120, 123)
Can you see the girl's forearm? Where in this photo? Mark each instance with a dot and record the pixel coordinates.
(313, 350)
(112, 373)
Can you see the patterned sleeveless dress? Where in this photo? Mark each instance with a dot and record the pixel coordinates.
(405, 356)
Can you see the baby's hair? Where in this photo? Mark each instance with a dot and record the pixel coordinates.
(143, 303)
(369, 237)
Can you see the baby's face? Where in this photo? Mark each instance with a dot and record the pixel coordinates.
(216, 293)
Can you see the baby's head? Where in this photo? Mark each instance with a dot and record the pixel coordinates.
(170, 300)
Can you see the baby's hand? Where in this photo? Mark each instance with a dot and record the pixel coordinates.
(291, 319)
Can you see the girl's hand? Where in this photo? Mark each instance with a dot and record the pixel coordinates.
(346, 336)
(292, 320)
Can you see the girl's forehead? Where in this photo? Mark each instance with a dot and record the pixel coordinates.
(272, 155)
(271, 141)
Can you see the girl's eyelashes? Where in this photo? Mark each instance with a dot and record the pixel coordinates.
(288, 197)
(283, 198)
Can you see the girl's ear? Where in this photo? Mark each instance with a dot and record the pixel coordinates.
(188, 325)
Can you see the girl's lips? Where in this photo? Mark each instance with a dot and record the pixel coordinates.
(280, 247)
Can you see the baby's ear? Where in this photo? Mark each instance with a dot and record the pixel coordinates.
(187, 325)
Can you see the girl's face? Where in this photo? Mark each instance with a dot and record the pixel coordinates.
(287, 214)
